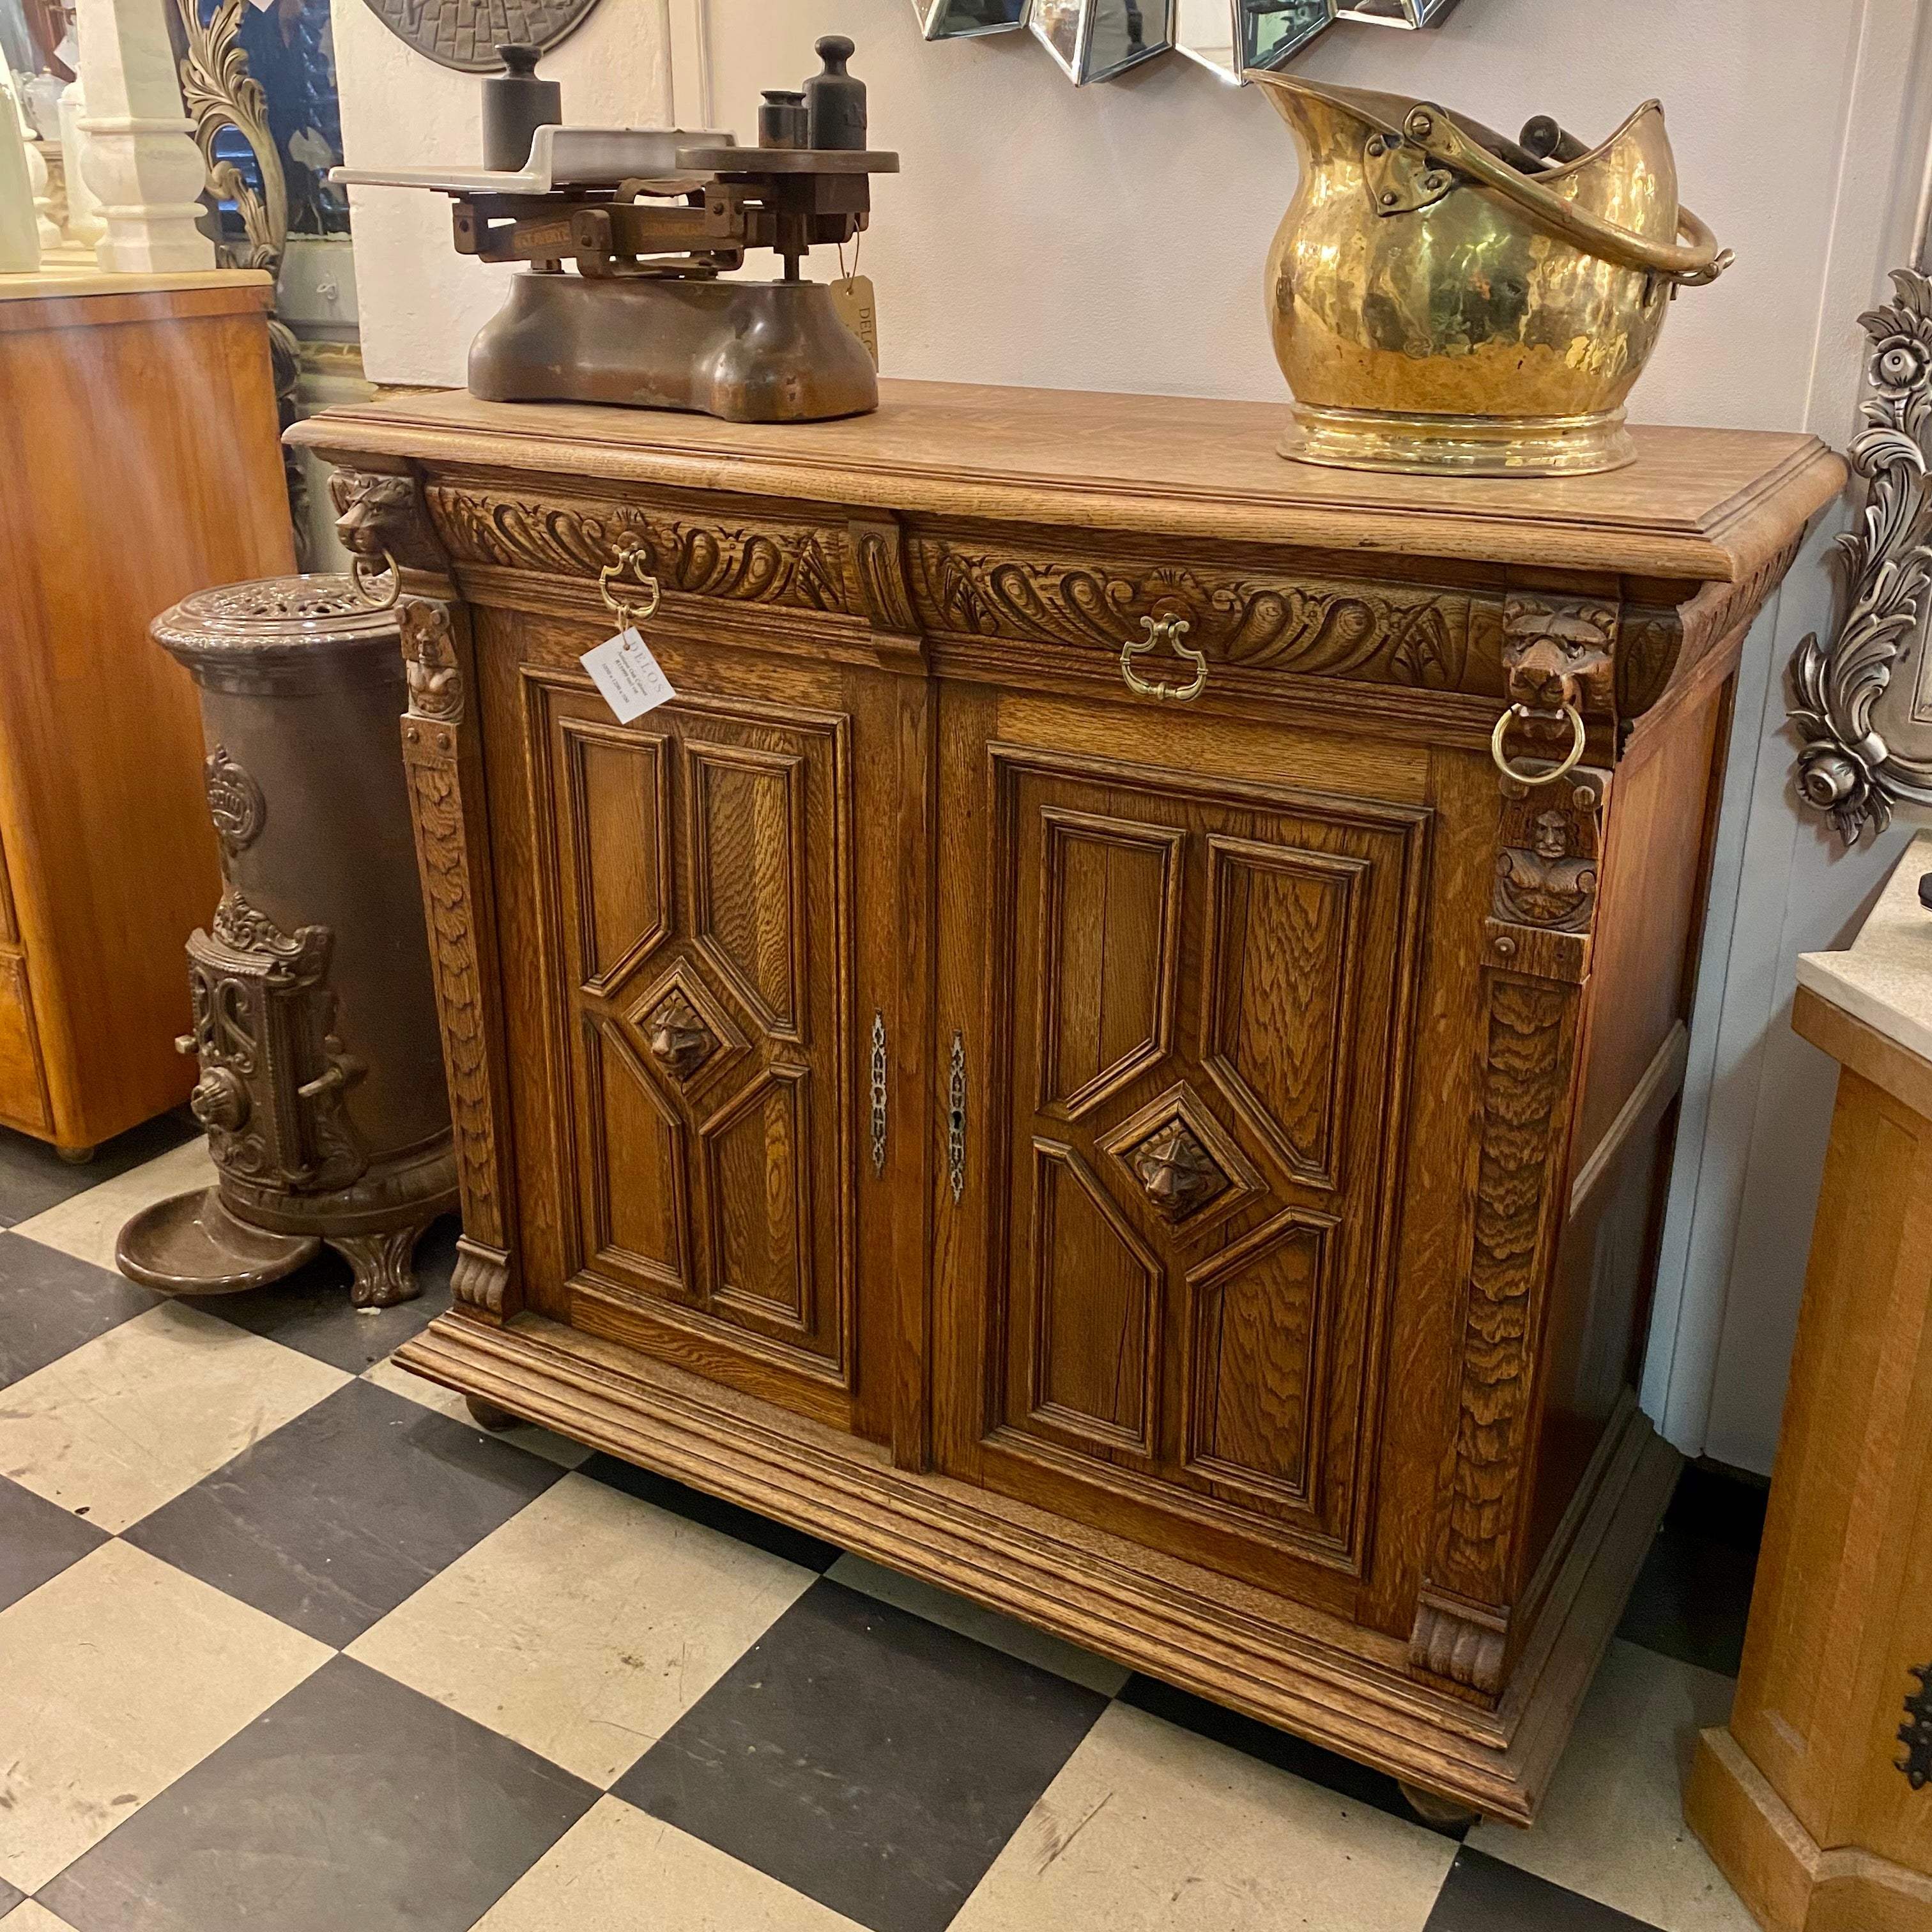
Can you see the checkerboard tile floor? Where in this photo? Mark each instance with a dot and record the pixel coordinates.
(287, 1644)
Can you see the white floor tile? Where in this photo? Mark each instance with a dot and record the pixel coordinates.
(89, 1224)
(557, 1449)
(982, 1625)
(1150, 1828)
(30, 1916)
(134, 1416)
(618, 1870)
(586, 1626)
(116, 1677)
(1612, 1826)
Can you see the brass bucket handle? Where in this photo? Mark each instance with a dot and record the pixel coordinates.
(1697, 260)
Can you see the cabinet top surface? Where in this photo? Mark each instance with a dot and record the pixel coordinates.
(66, 272)
(1697, 503)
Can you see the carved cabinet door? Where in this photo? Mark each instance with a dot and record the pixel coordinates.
(695, 876)
(1172, 1017)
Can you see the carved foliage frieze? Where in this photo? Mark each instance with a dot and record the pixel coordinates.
(794, 565)
(1383, 634)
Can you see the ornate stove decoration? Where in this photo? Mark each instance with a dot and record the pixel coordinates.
(1868, 746)
(235, 801)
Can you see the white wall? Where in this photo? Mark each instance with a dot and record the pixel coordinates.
(1113, 238)
(420, 302)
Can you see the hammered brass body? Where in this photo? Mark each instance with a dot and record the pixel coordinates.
(1460, 333)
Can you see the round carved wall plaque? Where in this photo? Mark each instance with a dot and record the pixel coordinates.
(465, 34)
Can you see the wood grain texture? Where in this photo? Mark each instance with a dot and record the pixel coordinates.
(1803, 1799)
(1697, 505)
(1119, 1159)
(137, 464)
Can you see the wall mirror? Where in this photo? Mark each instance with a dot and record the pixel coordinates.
(1097, 40)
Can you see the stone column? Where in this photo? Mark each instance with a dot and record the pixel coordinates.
(138, 154)
(84, 224)
(19, 238)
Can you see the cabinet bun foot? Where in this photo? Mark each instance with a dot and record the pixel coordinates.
(1447, 1814)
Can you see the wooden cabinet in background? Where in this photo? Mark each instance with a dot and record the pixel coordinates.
(1182, 1170)
(138, 462)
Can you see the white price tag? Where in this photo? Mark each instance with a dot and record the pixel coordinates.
(68, 52)
(632, 681)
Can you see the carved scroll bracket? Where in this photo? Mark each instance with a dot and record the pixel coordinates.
(1543, 908)
(1849, 769)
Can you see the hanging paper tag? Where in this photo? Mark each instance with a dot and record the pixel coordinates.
(852, 297)
(632, 681)
(68, 52)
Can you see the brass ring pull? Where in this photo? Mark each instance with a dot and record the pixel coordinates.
(630, 558)
(1169, 631)
(1699, 260)
(362, 574)
(1509, 771)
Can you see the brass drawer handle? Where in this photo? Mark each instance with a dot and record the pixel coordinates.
(1555, 772)
(1169, 631)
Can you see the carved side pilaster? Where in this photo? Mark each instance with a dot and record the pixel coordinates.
(444, 789)
(1537, 936)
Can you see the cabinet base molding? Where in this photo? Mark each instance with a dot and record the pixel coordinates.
(1789, 1882)
(1342, 1686)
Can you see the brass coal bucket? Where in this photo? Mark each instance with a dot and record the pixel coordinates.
(1444, 299)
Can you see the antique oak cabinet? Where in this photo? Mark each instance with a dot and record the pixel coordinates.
(1146, 1126)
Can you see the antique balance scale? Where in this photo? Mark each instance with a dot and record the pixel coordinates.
(628, 233)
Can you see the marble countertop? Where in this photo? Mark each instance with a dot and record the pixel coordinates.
(1884, 977)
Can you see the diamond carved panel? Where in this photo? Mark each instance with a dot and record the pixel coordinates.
(1182, 1162)
(685, 1030)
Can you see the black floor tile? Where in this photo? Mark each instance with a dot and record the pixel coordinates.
(310, 1309)
(1483, 1894)
(9, 1897)
(33, 1178)
(331, 1521)
(50, 1303)
(1691, 1600)
(1341, 1775)
(866, 1757)
(795, 1545)
(354, 1805)
(38, 1540)
(1724, 1507)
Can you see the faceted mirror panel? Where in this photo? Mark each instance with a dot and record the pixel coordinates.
(1229, 36)
(1273, 31)
(959, 20)
(1095, 40)
(1396, 12)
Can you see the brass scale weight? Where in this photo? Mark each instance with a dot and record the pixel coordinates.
(651, 220)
